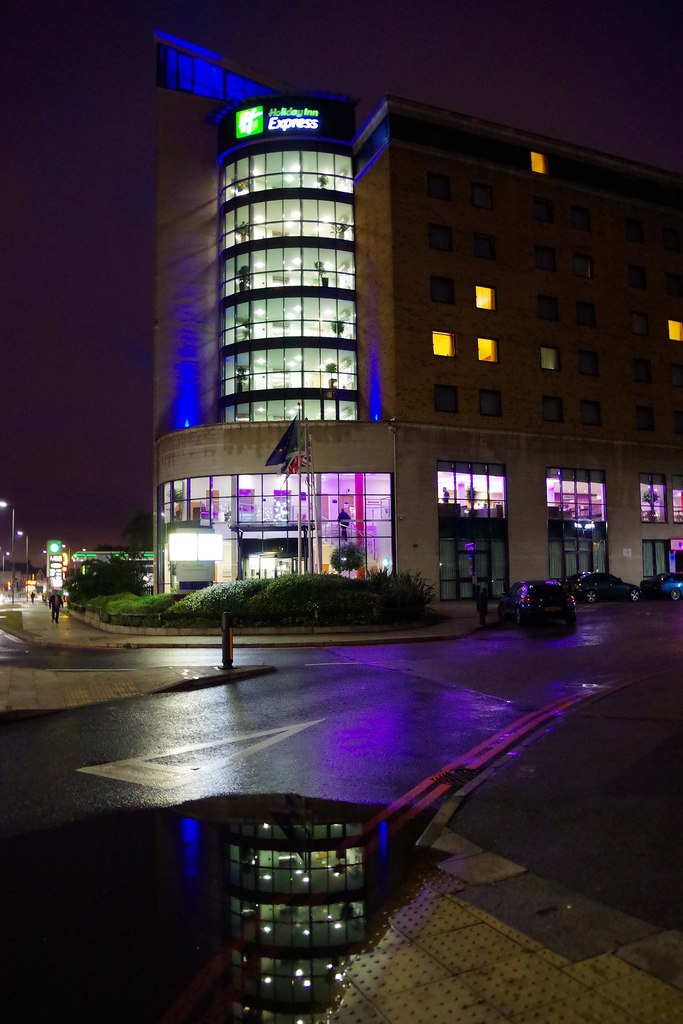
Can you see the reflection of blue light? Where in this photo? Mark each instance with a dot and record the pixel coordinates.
(387, 562)
(189, 831)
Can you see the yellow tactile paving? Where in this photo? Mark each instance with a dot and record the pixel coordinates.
(441, 961)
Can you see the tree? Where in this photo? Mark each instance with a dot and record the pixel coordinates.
(138, 533)
(100, 578)
(347, 557)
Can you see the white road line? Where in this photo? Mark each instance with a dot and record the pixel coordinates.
(8, 636)
(146, 771)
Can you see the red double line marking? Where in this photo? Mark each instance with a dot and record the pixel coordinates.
(430, 789)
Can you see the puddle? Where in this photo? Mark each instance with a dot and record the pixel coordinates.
(226, 909)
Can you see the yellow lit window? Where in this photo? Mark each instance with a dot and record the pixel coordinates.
(487, 350)
(539, 163)
(676, 330)
(486, 297)
(443, 344)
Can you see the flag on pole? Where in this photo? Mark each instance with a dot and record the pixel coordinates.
(287, 446)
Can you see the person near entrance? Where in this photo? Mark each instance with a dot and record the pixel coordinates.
(56, 603)
(344, 519)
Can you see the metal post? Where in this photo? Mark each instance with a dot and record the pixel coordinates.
(226, 639)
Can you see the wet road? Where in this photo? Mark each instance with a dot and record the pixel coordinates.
(350, 723)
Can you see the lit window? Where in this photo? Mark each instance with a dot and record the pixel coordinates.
(487, 350)
(443, 343)
(676, 330)
(550, 357)
(486, 297)
(539, 163)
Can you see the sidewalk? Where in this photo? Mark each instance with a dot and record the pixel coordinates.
(30, 691)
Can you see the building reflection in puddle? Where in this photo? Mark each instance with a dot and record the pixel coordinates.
(225, 909)
(300, 878)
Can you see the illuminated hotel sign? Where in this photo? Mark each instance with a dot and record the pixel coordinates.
(278, 119)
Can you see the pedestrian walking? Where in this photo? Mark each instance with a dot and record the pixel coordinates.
(56, 603)
(33, 597)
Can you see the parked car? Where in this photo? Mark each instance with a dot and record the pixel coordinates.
(664, 584)
(537, 599)
(601, 586)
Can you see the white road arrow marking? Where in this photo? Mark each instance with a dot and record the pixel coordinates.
(156, 772)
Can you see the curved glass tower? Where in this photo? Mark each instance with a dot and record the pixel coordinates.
(287, 266)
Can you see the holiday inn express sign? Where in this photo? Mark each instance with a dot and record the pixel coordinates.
(277, 119)
(268, 119)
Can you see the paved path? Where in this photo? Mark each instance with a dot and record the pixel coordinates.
(25, 691)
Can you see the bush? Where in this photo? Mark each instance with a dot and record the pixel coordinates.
(128, 609)
(206, 606)
(310, 599)
(405, 598)
(324, 600)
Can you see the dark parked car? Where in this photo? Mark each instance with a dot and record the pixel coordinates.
(664, 584)
(601, 586)
(537, 599)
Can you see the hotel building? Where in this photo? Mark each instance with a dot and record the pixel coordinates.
(480, 330)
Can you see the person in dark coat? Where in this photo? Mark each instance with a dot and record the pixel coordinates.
(56, 603)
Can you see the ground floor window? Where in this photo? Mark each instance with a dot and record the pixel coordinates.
(471, 555)
(270, 524)
(576, 546)
(656, 557)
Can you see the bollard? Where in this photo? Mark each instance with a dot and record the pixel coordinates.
(483, 605)
(226, 639)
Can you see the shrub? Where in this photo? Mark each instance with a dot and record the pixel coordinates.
(310, 599)
(404, 597)
(207, 606)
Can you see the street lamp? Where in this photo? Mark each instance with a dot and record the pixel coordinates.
(20, 533)
(5, 504)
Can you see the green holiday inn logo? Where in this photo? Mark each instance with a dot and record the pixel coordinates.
(249, 122)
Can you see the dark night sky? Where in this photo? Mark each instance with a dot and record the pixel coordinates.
(78, 177)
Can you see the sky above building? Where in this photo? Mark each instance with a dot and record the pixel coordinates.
(78, 135)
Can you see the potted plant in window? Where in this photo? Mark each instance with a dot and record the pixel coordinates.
(338, 327)
(340, 229)
(242, 231)
(322, 180)
(320, 267)
(243, 328)
(331, 368)
(241, 377)
(243, 277)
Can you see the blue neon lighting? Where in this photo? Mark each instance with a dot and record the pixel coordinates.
(375, 386)
(183, 44)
